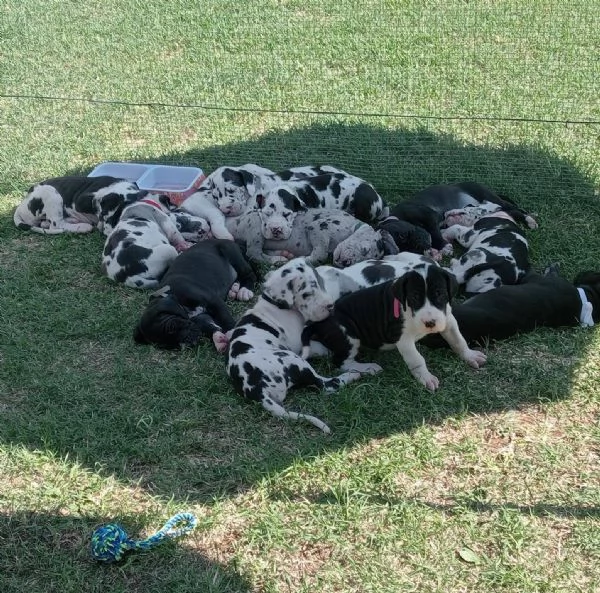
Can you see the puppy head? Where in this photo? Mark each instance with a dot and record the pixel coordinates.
(469, 215)
(406, 236)
(425, 294)
(191, 225)
(277, 209)
(298, 286)
(231, 188)
(365, 243)
(165, 323)
(112, 200)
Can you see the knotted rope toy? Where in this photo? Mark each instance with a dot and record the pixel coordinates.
(110, 541)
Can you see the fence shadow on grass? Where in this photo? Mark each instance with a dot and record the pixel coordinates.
(171, 422)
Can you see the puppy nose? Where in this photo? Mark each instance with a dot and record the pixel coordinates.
(430, 324)
(277, 231)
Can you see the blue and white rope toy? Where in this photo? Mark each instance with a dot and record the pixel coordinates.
(110, 541)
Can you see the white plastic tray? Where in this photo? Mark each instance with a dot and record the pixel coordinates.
(176, 182)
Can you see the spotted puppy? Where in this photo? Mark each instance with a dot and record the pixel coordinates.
(230, 191)
(316, 234)
(264, 353)
(190, 302)
(395, 314)
(75, 204)
(279, 206)
(143, 244)
(497, 253)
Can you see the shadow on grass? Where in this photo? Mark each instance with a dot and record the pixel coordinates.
(51, 553)
(75, 383)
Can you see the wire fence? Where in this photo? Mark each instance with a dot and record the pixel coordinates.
(402, 93)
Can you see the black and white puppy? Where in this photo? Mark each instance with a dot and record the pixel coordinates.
(190, 302)
(75, 204)
(497, 253)
(428, 207)
(395, 314)
(537, 301)
(279, 206)
(143, 243)
(264, 353)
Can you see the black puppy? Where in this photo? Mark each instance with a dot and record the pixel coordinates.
(407, 236)
(427, 208)
(549, 301)
(190, 301)
(396, 313)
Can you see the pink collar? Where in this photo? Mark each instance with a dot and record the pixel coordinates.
(396, 309)
(152, 203)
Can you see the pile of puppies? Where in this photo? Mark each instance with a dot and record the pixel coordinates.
(386, 289)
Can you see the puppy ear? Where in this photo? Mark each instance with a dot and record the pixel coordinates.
(138, 336)
(165, 201)
(299, 205)
(402, 286)
(386, 244)
(451, 282)
(260, 200)
(587, 277)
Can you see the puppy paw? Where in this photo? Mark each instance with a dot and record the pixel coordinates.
(222, 234)
(531, 222)
(434, 254)
(244, 294)
(233, 291)
(221, 341)
(183, 245)
(474, 358)
(364, 368)
(447, 249)
(428, 380)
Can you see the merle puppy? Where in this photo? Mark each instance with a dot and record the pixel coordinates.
(75, 204)
(428, 207)
(537, 301)
(190, 302)
(396, 314)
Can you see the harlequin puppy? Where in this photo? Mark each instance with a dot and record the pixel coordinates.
(316, 234)
(143, 244)
(537, 301)
(75, 204)
(497, 253)
(190, 302)
(279, 206)
(263, 358)
(395, 314)
(192, 228)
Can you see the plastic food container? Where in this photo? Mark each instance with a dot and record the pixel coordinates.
(176, 182)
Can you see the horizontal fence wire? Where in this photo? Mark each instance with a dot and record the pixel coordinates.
(404, 94)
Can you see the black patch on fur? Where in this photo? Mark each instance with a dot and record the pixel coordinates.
(35, 206)
(258, 323)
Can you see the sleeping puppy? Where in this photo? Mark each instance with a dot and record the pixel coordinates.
(192, 228)
(264, 354)
(407, 236)
(143, 244)
(537, 301)
(428, 207)
(395, 314)
(497, 253)
(191, 301)
(75, 204)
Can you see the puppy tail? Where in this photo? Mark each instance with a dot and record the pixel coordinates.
(279, 411)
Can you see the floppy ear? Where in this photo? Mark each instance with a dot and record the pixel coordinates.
(279, 289)
(164, 200)
(451, 282)
(402, 286)
(139, 337)
(250, 181)
(386, 243)
(588, 277)
(299, 205)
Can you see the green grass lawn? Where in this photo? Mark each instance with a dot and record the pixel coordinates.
(490, 484)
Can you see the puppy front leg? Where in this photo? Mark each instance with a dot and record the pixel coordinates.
(416, 363)
(172, 233)
(459, 345)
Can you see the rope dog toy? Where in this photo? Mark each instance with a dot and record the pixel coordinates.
(110, 541)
